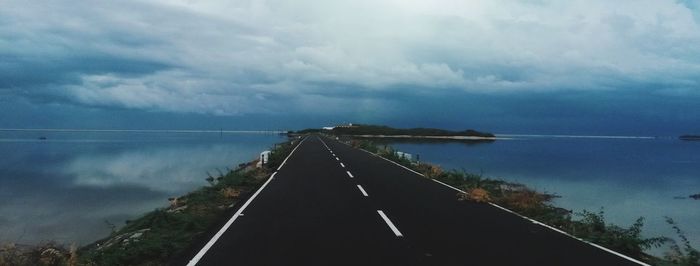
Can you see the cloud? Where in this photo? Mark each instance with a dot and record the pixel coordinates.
(694, 6)
(242, 57)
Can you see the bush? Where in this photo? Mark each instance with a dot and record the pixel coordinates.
(683, 256)
(629, 241)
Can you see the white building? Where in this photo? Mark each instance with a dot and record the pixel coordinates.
(404, 155)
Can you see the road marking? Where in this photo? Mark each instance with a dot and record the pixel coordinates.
(363, 191)
(290, 154)
(336, 158)
(235, 216)
(341, 164)
(349, 174)
(389, 223)
(324, 143)
(223, 229)
(517, 214)
(442, 183)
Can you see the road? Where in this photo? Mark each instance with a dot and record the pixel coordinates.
(330, 204)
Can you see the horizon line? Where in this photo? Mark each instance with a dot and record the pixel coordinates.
(580, 136)
(143, 130)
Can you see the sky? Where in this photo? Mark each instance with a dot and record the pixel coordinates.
(531, 66)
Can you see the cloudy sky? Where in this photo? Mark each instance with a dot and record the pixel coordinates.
(530, 66)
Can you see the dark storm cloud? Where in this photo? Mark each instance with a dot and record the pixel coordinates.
(359, 59)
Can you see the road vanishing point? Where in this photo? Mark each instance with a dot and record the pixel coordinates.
(331, 204)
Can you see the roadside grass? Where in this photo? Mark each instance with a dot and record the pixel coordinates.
(155, 237)
(166, 232)
(537, 205)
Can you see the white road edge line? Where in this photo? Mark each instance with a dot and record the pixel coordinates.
(342, 165)
(364, 193)
(389, 223)
(238, 213)
(324, 143)
(349, 174)
(522, 216)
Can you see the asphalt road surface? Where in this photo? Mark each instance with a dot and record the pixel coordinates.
(331, 204)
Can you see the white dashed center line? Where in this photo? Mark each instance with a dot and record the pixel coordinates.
(364, 193)
(349, 174)
(342, 165)
(389, 223)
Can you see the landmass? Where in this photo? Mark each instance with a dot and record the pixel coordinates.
(379, 131)
(690, 137)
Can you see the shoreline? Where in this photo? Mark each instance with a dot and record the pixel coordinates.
(236, 185)
(159, 236)
(522, 200)
(141, 130)
(429, 137)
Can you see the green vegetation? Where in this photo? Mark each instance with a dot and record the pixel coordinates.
(308, 131)
(686, 255)
(536, 205)
(629, 241)
(157, 236)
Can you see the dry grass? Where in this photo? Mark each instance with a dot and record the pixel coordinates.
(231, 192)
(429, 170)
(524, 199)
(476, 195)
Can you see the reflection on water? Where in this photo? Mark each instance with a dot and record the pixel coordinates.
(72, 186)
(627, 177)
(148, 168)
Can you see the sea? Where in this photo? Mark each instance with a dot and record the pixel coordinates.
(625, 177)
(75, 187)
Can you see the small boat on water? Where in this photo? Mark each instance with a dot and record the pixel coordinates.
(42, 138)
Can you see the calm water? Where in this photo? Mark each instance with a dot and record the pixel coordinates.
(627, 177)
(69, 187)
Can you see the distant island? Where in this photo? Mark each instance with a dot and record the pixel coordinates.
(690, 137)
(377, 131)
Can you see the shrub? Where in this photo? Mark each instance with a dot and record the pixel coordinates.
(683, 256)
(592, 227)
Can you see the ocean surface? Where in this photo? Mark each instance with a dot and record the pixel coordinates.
(626, 177)
(73, 187)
